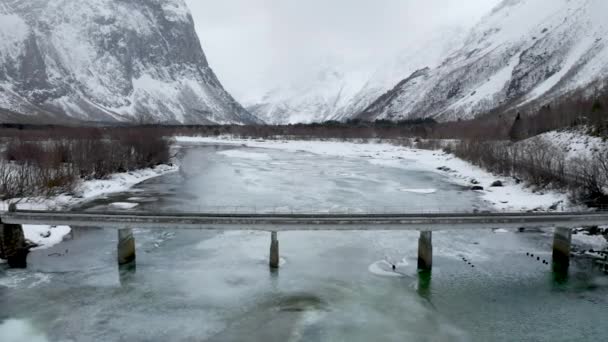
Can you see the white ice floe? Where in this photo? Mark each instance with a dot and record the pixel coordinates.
(384, 269)
(500, 231)
(420, 191)
(510, 197)
(245, 155)
(123, 205)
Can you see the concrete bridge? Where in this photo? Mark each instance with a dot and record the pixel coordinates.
(12, 242)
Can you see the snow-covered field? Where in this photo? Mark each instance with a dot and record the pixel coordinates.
(575, 143)
(46, 236)
(510, 197)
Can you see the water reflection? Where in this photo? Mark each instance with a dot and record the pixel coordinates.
(560, 270)
(127, 273)
(424, 284)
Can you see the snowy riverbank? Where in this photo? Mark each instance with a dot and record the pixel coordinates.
(46, 236)
(509, 197)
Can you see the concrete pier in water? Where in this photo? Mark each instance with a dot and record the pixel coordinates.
(425, 251)
(12, 243)
(562, 239)
(274, 251)
(126, 246)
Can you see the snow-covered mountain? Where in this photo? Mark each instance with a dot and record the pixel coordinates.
(524, 50)
(108, 60)
(335, 89)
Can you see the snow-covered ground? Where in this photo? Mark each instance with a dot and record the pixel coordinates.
(46, 236)
(585, 240)
(510, 197)
(575, 143)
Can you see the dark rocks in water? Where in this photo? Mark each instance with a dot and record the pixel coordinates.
(517, 180)
(477, 188)
(555, 205)
(13, 246)
(594, 230)
(497, 184)
(474, 181)
(19, 258)
(444, 168)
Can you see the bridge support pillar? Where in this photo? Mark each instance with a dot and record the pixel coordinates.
(126, 246)
(12, 245)
(561, 250)
(274, 251)
(425, 251)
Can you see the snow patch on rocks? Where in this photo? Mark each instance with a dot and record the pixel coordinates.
(45, 236)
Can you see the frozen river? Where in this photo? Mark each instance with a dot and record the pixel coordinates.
(332, 286)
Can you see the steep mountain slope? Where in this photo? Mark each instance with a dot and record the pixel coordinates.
(108, 60)
(524, 50)
(335, 90)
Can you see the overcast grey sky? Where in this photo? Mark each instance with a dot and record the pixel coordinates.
(251, 43)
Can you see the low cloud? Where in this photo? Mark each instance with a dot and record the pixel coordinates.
(255, 44)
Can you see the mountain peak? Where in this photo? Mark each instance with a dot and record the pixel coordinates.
(524, 50)
(109, 60)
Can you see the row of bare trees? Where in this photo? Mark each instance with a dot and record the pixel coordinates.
(47, 162)
(542, 164)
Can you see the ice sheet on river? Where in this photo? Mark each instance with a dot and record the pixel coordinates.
(245, 155)
(511, 196)
(420, 191)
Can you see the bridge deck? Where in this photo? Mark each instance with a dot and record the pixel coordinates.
(301, 222)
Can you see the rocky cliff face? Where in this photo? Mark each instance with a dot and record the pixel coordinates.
(525, 50)
(108, 60)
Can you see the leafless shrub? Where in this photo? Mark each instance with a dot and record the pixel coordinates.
(43, 165)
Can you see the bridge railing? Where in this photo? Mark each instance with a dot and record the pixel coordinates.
(278, 210)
